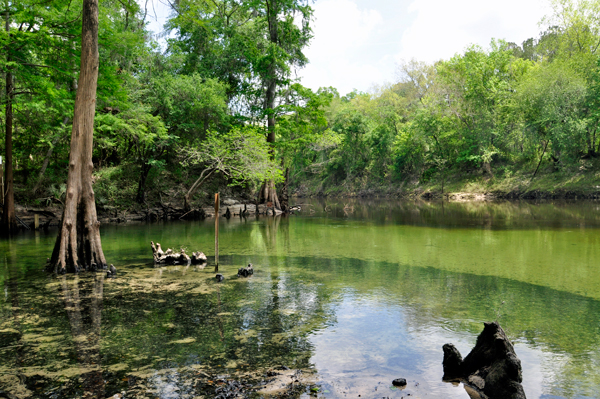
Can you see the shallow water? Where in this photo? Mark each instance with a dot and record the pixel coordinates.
(352, 293)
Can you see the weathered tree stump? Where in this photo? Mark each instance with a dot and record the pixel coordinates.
(169, 257)
(246, 271)
(198, 258)
(492, 368)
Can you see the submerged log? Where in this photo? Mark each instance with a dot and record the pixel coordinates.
(492, 368)
(169, 257)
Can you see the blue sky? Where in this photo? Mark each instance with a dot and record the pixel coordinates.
(358, 44)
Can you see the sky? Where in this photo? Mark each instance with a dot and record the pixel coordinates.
(358, 44)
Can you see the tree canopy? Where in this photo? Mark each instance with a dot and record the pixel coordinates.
(225, 75)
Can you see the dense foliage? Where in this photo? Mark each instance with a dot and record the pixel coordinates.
(494, 111)
(164, 115)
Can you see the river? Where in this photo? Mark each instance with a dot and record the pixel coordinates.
(352, 293)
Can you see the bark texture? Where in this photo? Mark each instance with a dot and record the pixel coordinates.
(268, 195)
(78, 245)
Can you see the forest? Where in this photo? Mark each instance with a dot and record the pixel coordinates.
(103, 120)
(217, 107)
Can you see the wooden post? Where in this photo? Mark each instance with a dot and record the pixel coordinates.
(36, 221)
(216, 232)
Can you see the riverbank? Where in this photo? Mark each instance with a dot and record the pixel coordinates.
(582, 184)
(50, 216)
(472, 186)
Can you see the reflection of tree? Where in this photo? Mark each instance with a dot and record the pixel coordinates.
(83, 304)
(271, 229)
(494, 215)
(284, 233)
(13, 290)
(270, 232)
(277, 317)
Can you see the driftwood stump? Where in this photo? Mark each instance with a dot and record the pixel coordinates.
(492, 368)
(169, 257)
(246, 271)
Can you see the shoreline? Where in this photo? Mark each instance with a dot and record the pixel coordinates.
(425, 194)
(50, 216)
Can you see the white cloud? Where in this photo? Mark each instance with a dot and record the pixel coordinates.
(339, 53)
(444, 28)
(357, 43)
(356, 47)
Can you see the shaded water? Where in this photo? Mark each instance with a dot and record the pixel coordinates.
(354, 294)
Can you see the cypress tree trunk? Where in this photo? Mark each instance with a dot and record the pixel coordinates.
(268, 193)
(78, 243)
(9, 220)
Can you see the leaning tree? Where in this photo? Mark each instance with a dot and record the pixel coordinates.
(78, 245)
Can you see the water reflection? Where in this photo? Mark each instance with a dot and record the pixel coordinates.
(14, 335)
(82, 298)
(357, 292)
(483, 214)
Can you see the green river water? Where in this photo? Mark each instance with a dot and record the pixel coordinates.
(352, 293)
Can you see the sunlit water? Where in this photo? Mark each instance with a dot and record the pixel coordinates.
(354, 294)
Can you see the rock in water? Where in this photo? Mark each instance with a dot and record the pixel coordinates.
(399, 382)
(112, 271)
(219, 277)
(492, 367)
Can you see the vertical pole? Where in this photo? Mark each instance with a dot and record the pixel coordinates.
(216, 232)
(36, 221)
